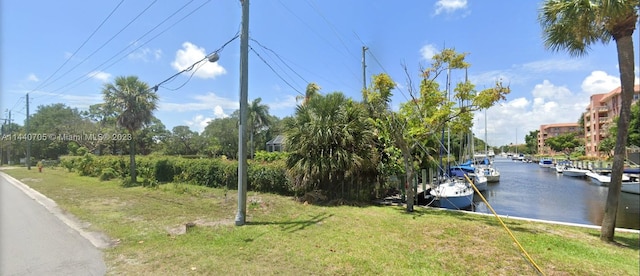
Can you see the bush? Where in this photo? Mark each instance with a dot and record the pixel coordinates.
(216, 173)
(108, 174)
(164, 170)
(67, 163)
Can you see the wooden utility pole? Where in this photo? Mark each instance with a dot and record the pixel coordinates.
(27, 136)
(242, 139)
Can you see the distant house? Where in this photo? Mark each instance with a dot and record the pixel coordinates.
(276, 144)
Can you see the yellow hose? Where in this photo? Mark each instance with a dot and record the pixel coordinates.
(533, 263)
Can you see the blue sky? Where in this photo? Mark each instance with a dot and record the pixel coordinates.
(59, 52)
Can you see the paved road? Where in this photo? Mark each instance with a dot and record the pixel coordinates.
(37, 239)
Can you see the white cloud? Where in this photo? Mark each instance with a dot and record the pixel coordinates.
(146, 54)
(32, 77)
(553, 65)
(599, 82)
(546, 90)
(218, 112)
(450, 6)
(74, 101)
(99, 75)
(428, 51)
(200, 122)
(190, 54)
(511, 121)
(289, 101)
(201, 102)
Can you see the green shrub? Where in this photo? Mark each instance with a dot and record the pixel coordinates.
(164, 170)
(108, 174)
(209, 172)
(266, 156)
(67, 163)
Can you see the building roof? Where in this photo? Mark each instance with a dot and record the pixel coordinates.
(617, 91)
(559, 125)
(278, 140)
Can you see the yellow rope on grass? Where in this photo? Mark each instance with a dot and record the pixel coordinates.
(533, 263)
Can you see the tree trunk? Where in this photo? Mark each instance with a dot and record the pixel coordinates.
(408, 166)
(251, 145)
(132, 159)
(624, 46)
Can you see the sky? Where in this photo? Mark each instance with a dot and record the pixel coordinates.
(65, 52)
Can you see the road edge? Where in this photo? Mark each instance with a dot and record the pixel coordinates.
(99, 240)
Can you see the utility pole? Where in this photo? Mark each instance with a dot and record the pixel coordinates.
(364, 66)
(28, 160)
(9, 146)
(242, 139)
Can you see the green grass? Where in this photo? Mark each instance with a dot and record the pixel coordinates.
(285, 237)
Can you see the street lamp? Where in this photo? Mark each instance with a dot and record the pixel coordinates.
(213, 57)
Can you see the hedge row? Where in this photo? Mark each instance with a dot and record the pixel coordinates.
(218, 173)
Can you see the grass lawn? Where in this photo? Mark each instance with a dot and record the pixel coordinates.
(285, 237)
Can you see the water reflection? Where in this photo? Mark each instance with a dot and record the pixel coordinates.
(527, 190)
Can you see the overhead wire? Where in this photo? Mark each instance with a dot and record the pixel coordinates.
(103, 44)
(80, 47)
(279, 58)
(87, 76)
(332, 27)
(192, 66)
(313, 30)
(274, 71)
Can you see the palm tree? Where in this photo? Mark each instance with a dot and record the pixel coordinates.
(329, 143)
(312, 90)
(259, 118)
(574, 25)
(134, 103)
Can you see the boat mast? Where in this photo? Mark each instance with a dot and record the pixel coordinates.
(486, 150)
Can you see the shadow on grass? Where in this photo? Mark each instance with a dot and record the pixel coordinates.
(626, 242)
(291, 226)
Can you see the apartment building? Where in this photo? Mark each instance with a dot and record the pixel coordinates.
(553, 130)
(599, 116)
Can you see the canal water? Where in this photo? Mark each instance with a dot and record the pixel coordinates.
(530, 191)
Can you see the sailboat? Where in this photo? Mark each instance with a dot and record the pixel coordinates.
(451, 192)
(488, 170)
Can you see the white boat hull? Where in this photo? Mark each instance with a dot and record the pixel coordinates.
(575, 172)
(602, 180)
(453, 194)
(490, 173)
(631, 187)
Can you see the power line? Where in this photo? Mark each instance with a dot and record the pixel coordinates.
(87, 76)
(155, 87)
(321, 37)
(274, 71)
(281, 60)
(332, 27)
(81, 45)
(103, 44)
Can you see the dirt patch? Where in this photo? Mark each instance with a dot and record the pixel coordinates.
(185, 227)
(31, 180)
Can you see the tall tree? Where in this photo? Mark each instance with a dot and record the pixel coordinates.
(531, 141)
(221, 135)
(312, 90)
(424, 117)
(565, 143)
(574, 25)
(60, 121)
(259, 119)
(134, 103)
